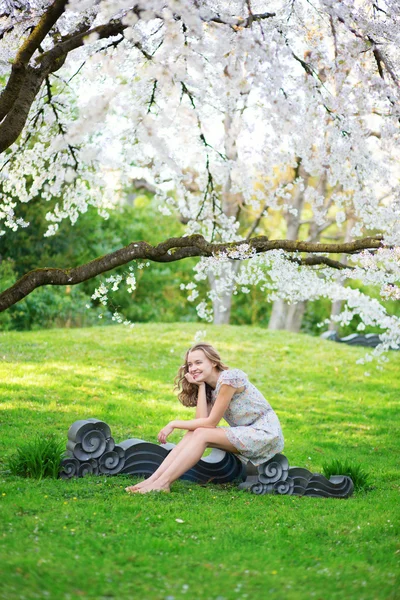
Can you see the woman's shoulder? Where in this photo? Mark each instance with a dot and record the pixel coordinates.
(233, 377)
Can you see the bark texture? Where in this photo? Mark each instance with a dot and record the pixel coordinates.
(172, 250)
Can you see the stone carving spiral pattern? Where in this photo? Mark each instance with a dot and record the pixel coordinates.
(276, 477)
(92, 451)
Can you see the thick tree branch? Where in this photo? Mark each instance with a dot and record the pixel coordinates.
(47, 21)
(111, 29)
(25, 53)
(26, 81)
(242, 22)
(14, 122)
(313, 260)
(172, 250)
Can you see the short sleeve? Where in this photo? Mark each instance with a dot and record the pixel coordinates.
(234, 377)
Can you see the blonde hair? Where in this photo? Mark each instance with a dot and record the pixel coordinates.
(188, 391)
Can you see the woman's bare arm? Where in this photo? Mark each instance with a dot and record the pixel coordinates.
(216, 414)
(201, 408)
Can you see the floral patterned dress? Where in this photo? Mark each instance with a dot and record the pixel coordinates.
(254, 428)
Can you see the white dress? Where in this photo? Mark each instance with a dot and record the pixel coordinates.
(254, 427)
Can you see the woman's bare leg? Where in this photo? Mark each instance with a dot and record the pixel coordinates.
(190, 455)
(168, 460)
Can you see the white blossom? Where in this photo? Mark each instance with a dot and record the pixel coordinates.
(301, 88)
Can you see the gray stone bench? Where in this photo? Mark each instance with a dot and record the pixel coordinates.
(91, 450)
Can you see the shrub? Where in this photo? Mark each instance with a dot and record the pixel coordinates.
(356, 472)
(38, 458)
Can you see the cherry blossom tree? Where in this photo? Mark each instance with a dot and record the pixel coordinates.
(94, 89)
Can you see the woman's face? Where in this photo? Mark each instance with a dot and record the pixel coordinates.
(199, 366)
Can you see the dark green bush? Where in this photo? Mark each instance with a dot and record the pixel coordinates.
(38, 458)
(353, 470)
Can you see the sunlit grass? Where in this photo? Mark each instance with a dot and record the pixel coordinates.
(88, 538)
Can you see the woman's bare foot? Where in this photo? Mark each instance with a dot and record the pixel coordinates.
(155, 487)
(138, 486)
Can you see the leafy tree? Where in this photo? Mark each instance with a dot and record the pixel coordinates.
(157, 297)
(94, 88)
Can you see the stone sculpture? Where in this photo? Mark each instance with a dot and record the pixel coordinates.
(92, 451)
(276, 477)
(370, 340)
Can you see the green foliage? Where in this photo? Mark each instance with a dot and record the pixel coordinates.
(251, 308)
(46, 307)
(158, 296)
(37, 458)
(316, 312)
(353, 470)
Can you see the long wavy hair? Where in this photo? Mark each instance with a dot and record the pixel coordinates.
(188, 391)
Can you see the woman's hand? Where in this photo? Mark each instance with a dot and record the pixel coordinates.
(164, 433)
(190, 379)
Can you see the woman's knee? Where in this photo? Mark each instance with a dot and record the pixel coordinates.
(200, 433)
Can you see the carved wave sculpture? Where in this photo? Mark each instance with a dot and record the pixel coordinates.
(370, 340)
(276, 477)
(92, 451)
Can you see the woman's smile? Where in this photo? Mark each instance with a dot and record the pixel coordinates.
(201, 368)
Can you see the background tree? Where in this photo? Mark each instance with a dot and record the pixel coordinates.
(99, 87)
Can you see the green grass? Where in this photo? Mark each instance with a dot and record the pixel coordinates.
(358, 474)
(87, 538)
(37, 458)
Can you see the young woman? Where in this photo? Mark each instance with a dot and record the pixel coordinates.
(204, 381)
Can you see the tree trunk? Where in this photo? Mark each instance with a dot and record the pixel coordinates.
(222, 306)
(278, 315)
(337, 304)
(335, 310)
(283, 315)
(230, 205)
(287, 316)
(295, 315)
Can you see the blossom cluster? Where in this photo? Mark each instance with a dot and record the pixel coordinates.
(286, 124)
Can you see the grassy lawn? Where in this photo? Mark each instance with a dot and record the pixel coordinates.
(87, 538)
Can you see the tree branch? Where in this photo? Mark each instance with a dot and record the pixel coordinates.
(25, 81)
(47, 21)
(62, 130)
(111, 29)
(240, 21)
(25, 53)
(378, 55)
(14, 122)
(313, 260)
(172, 250)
